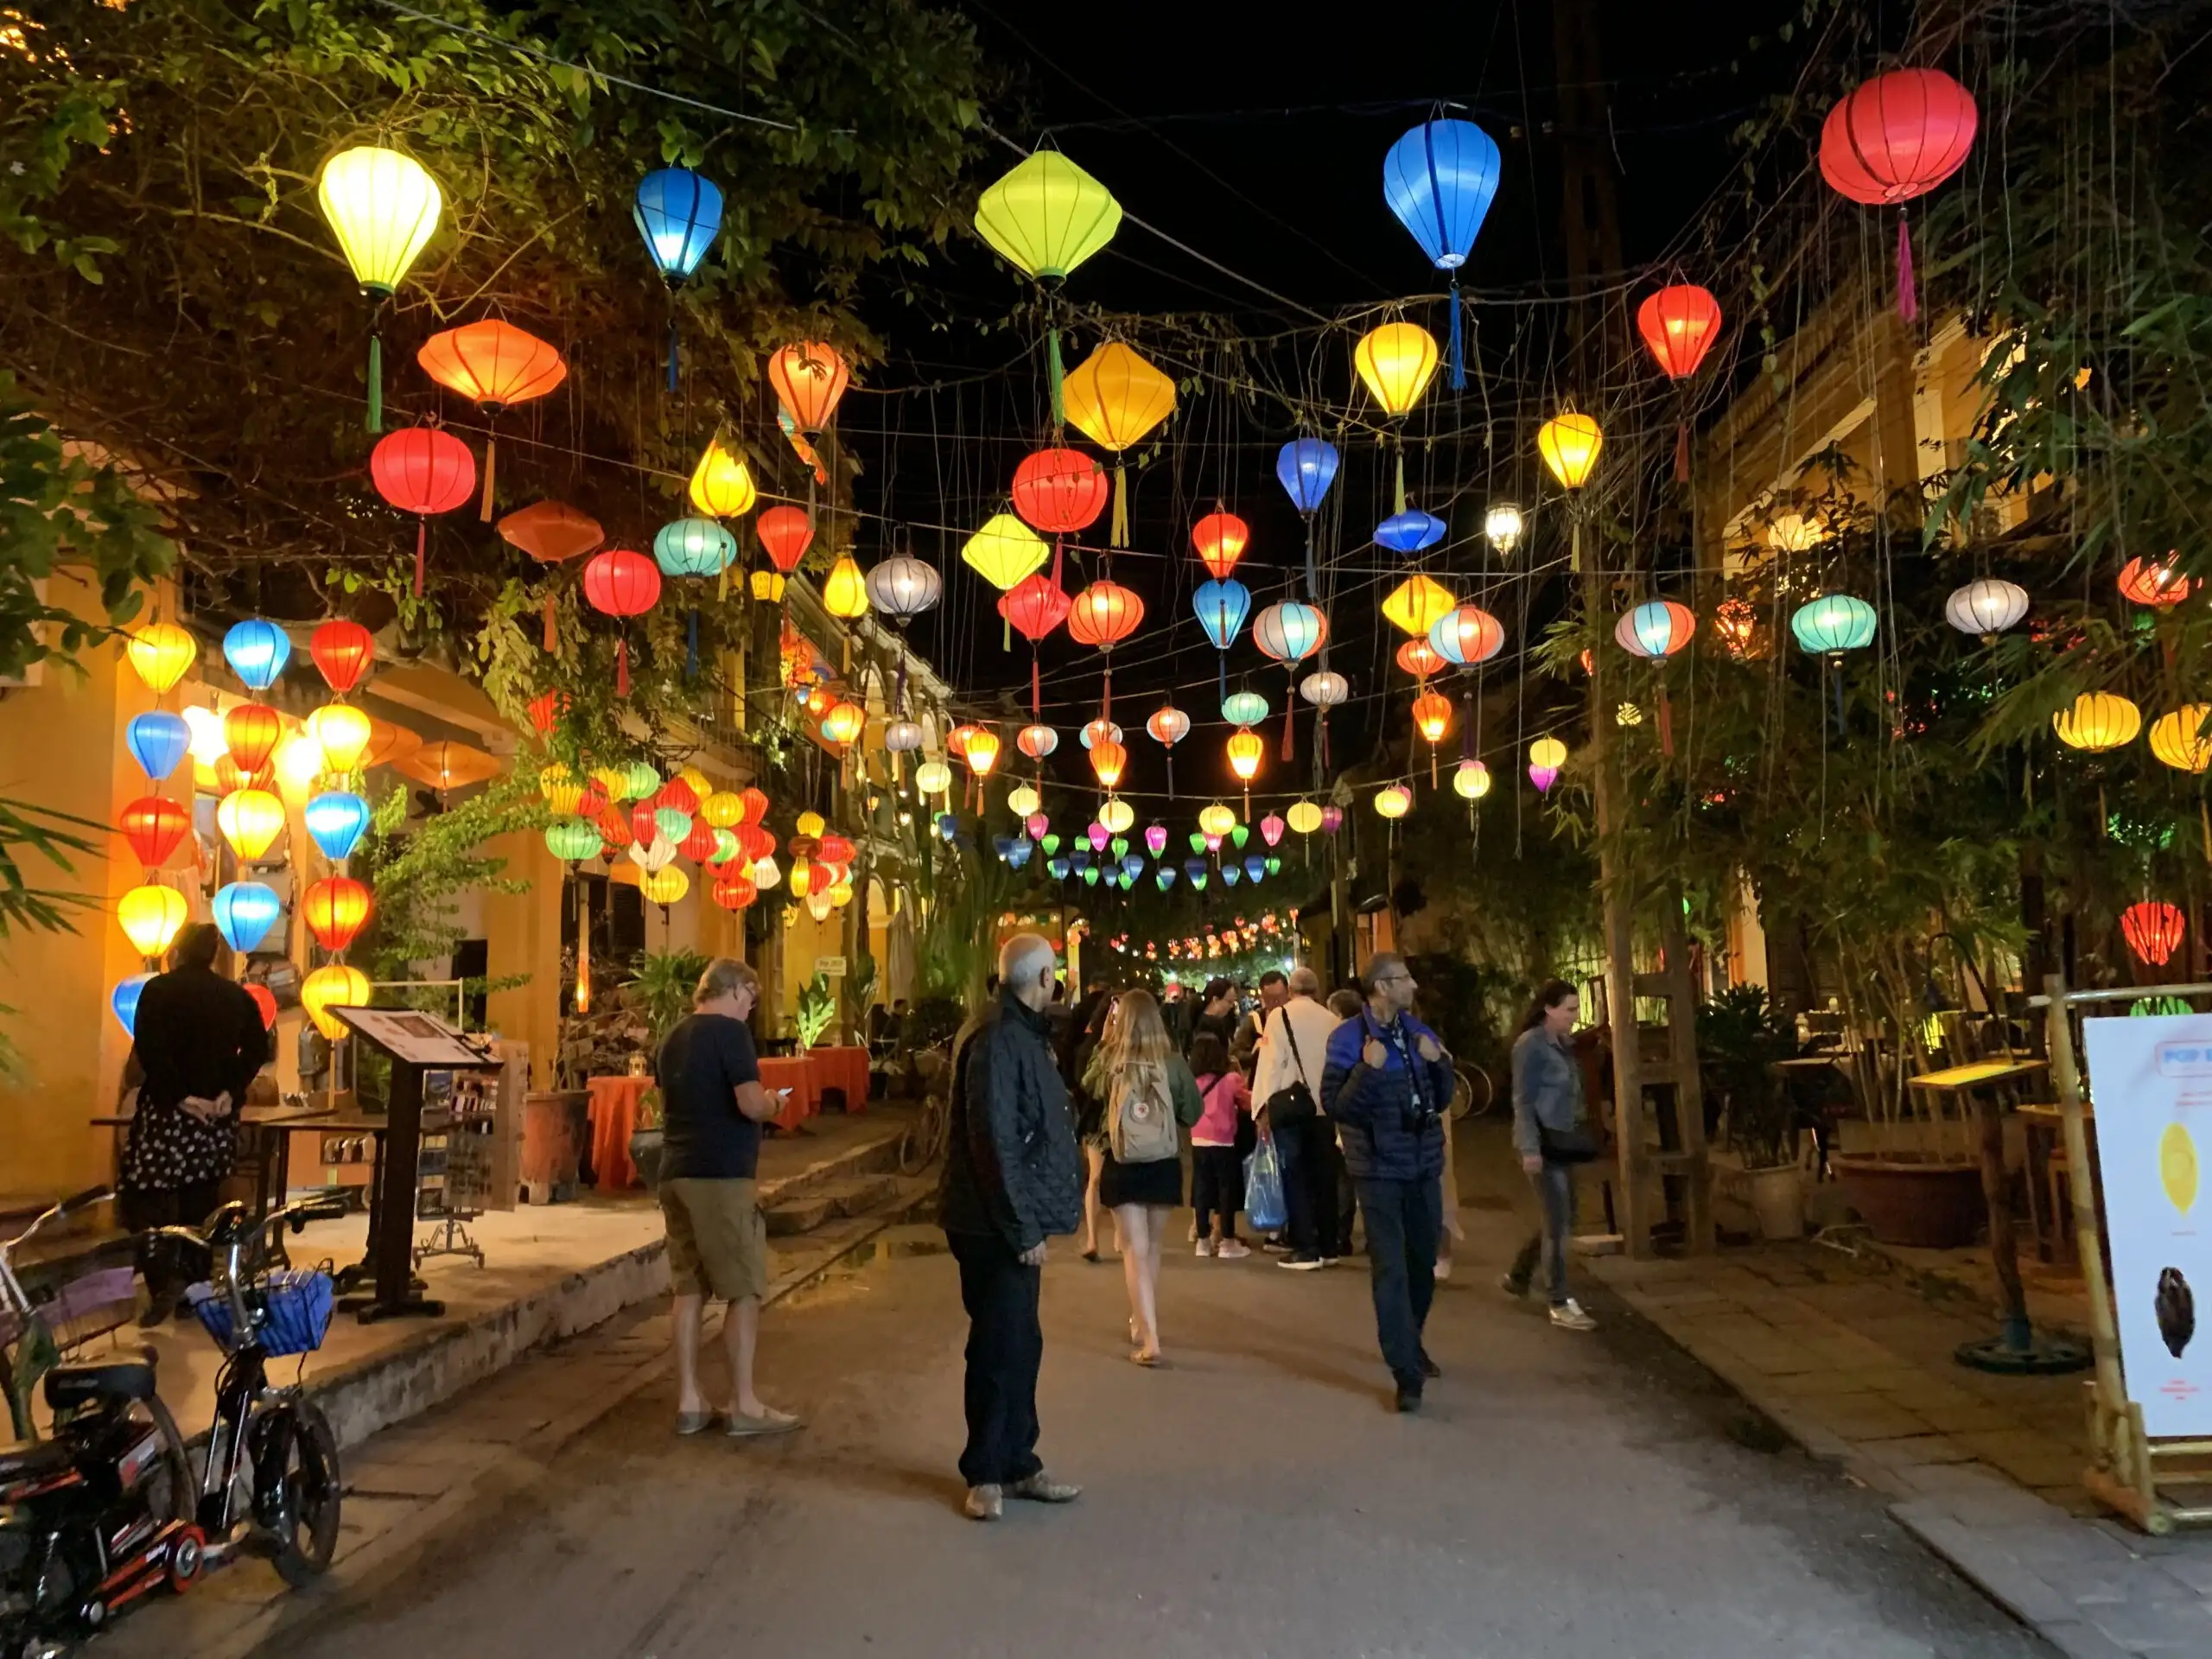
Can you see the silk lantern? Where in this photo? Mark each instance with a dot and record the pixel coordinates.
(1168, 725)
(382, 206)
(495, 365)
(1103, 614)
(243, 913)
(1221, 606)
(2178, 739)
(150, 916)
(1114, 397)
(1410, 531)
(422, 470)
(1289, 633)
(785, 533)
(1440, 180)
(1894, 138)
(1220, 538)
(336, 821)
(721, 486)
(256, 650)
(1060, 491)
(160, 653)
(810, 377)
(157, 740)
(250, 820)
(1396, 360)
(1679, 325)
(621, 583)
(343, 733)
(2098, 722)
(250, 732)
(1394, 801)
(333, 985)
(2156, 582)
(123, 1001)
(1569, 442)
(1502, 528)
(1987, 606)
(1306, 467)
(1472, 780)
(154, 826)
(1414, 604)
(2153, 930)
(678, 213)
(1466, 636)
(1045, 217)
(1034, 607)
(1545, 756)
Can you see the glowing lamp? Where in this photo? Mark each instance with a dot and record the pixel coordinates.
(1502, 528)
(723, 808)
(1415, 605)
(150, 916)
(243, 912)
(250, 820)
(1060, 491)
(734, 891)
(1220, 538)
(382, 206)
(1472, 780)
(810, 379)
(1569, 442)
(1410, 531)
(679, 212)
(1290, 631)
(1004, 551)
(2153, 930)
(1394, 801)
(1038, 742)
(722, 486)
(2157, 582)
(665, 886)
(1304, 817)
(1221, 606)
(1047, 216)
(983, 751)
(1791, 532)
(1545, 756)
(334, 985)
(336, 823)
(1433, 714)
(694, 547)
(1306, 467)
(1168, 725)
(810, 824)
(1113, 396)
(1467, 635)
(1655, 630)
(1155, 839)
(572, 840)
(1440, 180)
(1679, 325)
(2178, 740)
(1244, 708)
(1108, 762)
(342, 650)
(161, 652)
(299, 762)
(1246, 749)
(2098, 722)
(492, 364)
(1396, 361)
(1116, 815)
(1271, 828)
(257, 651)
(902, 587)
(1324, 688)
(157, 741)
(123, 1001)
(154, 826)
(1217, 819)
(933, 777)
(1987, 606)
(1833, 623)
(843, 723)
(1896, 136)
(1021, 800)
(1103, 614)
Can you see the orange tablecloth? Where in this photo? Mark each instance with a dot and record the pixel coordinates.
(841, 1068)
(614, 1116)
(797, 1075)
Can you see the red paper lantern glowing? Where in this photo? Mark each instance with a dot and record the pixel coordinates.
(546, 709)
(756, 808)
(2153, 929)
(621, 582)
(252, 730)
(1221, 538)
(154, 825)
(342, 650)
(1060, 491)
(422, 470)
(787, 535)
(2157, 582)
(734, 891)
(265, 999)
(1420, 659)
(1898, 136)
(552, 533)
(336, 909)
(1035, 605)
(699, 846)
(1680, 324)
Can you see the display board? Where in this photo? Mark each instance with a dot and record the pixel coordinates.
(418, 1038)
(2150, 1081)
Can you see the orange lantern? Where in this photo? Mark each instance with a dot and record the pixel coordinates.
(843, 723)
(1109, 761)
(251, 730)
(809, 377)
(1420, 659)
(1103, 614)
(1221, 538)
(2153, 930)
(154, 826)
(336, 909)
(734, 891)
(552, 533)
(495, 365)
(1433, 714)
(2157, 582)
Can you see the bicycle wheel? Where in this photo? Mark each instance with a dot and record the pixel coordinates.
(171, 1494)
(297, 1489)
(1472, 1093)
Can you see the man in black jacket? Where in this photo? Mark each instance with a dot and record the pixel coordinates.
(1012, 1177)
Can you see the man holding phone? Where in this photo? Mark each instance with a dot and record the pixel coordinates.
(712, 1108)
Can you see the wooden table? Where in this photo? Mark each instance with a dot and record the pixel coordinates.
(796, 1074)
(1986, 1083)
(272, 1126)
(614, 1120)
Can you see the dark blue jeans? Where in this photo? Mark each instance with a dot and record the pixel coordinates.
(1554, 1185)
(1006, 1347)
(1404, 1220)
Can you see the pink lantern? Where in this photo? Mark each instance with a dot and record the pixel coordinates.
(1098, 836)
(1271, 829)
(1155, 839)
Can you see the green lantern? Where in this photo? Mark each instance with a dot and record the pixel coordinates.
(572, 839)
(1240, 834)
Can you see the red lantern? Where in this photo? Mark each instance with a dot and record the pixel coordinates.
(699, 846)
(552, 533)
(787, 535)
(614, 829)
(809, 377)
(1221, 538)
(422, 470)
(2153, 929)
(1060, 491)
(265, 999)
(678, 794)
(621, 583)
(754, 843)
(495, 365)
(1034, 607)
(546, 709)
(734, 891)
(592, 802)
(343, 650)
(1896, 136)
(336, 909)
(154, 825)
(836, 850)
(1680, 324)
(644, 827)
(252, 730)
(2156, 582)
(756, 808)
(1420, 659)
(230, 777)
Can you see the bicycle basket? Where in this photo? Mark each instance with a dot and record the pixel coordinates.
(294, 1306)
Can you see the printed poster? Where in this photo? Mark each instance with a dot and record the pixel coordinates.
(2151, 1081)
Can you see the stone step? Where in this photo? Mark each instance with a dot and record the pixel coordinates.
(855, 1195)
(800, 1215)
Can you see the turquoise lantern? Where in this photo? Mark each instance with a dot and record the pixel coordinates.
(679, 212)
(257, 651)
(245, 911)
(1221, 608)
(1244, 708)
(337, 820)
(124, 999)
(1833, 623)
(693, 547)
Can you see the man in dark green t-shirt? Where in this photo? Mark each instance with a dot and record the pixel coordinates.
(712, 1108)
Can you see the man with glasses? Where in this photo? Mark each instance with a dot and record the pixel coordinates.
(1387, 1084)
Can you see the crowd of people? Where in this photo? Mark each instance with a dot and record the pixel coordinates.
(1073, 1120)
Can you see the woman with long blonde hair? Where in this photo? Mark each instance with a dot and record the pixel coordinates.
(1150, 1097)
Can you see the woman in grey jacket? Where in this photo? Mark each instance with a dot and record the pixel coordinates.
(1548, 1097)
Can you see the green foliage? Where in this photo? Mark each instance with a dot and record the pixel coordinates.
(955, 955)
(53, 837)
(660, 988)
(818, 1007)
(858, 991)
(58, 506)
(419, 873)
(1739, 1035)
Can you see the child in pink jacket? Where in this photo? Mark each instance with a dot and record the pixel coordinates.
(1216, 1165)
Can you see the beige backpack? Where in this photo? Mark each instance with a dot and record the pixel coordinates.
(1140, 1123)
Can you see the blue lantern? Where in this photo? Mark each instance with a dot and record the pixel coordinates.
(1244, 708)
(257, 651)
(1164, 876)
(678, 213)
(245, 911)
(157, 741)
(1410, 531)
(1255, 866)
(694, 547)
(1004, 847)
(1195, 868)
(947, 826)
(1132, 864)
(1020, 856)
(1082, 856)
(337, 820)
(1306, 467)
(1440, 180)
(1231, 874)
(1222, 608)
(1059, 867)
(124, 999)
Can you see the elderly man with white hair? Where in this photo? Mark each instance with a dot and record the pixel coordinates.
(1286, 1099)
(1013, 1178)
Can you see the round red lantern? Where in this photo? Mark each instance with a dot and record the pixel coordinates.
(699, 846)
(1034, 607)
(1060, 491)
(2153, 929)
(154, 825)
(2153, 581)
(265, 999)
(837, 850)
(252, 730)
(1420, 659)
(787, 535)
(644, 826)
(621, 582)
(1896, 136)
(422, 470)
(336, 909)
(1221, 538)
(342, 650)
(734, 891)
(754, 843)
(1679, 324)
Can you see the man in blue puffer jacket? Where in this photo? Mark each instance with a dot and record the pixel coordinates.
(1386, 1086)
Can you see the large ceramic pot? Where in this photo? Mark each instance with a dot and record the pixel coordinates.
(1777, 1198)
(645, 1152)
(1914, 1198)
(556, 1129)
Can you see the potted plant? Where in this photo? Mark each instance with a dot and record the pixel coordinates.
(646, 1140)
(1739, 1037)
(659, 992)
(817, 1009)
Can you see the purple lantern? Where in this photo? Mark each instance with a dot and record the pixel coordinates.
(1155, 839)
(1333, 819)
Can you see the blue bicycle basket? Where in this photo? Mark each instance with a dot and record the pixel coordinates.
(296, 1304)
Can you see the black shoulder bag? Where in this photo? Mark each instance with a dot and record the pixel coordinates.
(1288, 1107)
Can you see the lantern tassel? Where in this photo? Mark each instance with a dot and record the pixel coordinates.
(672, 349)
(1666, 725)
(1312, 583)
(491, 467)
(421, 542)
(552, 626)
(1036, 691)
(721, 586)
(1908, 298)
(2204, 822)
(1458, 354)
(1171, 778)
(1289, 716)
(1836, 669)
(375, 422)
(1431, 765)
(1055, 375)
(1120, 527)
(1221, 667)
(691, 643)
(622, 666)
(1402, 479)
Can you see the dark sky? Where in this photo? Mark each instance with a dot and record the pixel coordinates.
(1254, 136)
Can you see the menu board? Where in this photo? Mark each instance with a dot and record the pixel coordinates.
(2151, 1078)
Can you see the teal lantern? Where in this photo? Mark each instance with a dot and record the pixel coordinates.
(694, 547)
(572, 840)
(1833, 624)
(673, 823)
(1244, 708)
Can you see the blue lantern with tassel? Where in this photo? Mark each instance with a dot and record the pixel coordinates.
(256, 650)
(679, 212)
(1440, 180)
(1306, 467)
(1222, 608)
(1409, 532)
(157, 741)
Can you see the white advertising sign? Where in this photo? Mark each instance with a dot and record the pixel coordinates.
(2152, 1078)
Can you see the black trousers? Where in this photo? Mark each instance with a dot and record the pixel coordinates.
(1404, 1219)
(1006, 1348)
(161, 1263)
(1310, 1163)
(1217, 1188)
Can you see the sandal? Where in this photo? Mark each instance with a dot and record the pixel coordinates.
(1150, 1361)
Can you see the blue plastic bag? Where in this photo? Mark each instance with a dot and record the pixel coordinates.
(1263, 1201)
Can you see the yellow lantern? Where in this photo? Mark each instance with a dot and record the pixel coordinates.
(1792, 532)
(563, 793)
(842, 894)
(1547, 752)
(1472, 780)
(933, 777)
(1304, 816)
(1023, 800)
(2099, 721)
(721, 486)
(334, 985)
(804, 873)
(613, 782)
(250, 820)
(665, 886)
(1004, 551)
(382, 206)
(299, 762)
(2175, 738)
(1569, 442)
(844, 595)
(843, 723)
(1217, 820)
(1417, 603)
(696, 781)
(1114, 397)
(1394, 802)
(342, 733)
(1398, 361)
(1117, 815)
(767, 587)
(1246, 750)
(1047, 216)
(162, 651)
(810, 824)
(151, 916)
(724, 809)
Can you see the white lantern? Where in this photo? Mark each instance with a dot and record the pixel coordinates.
(1988, 606)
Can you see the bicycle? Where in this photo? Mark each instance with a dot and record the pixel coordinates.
(924, 1140)
(1472, 1092)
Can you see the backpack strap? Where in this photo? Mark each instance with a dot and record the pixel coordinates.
(1297, 1058)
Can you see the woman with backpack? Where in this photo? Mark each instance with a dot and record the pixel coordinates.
(1087, 1094)
(1218, 1147)
(1150, 1096)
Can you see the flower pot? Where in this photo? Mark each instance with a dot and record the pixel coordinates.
(645, 1152)
(1916, 1198)
(556, 1129)
(1777, 1198)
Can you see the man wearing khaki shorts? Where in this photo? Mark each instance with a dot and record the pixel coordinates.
(712, 1106)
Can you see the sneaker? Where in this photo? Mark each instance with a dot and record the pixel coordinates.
(1232, 1250)
(1299, 1262)
(1408, 1398)
(984, 1503)
(1443, 1268)
(1041, 1488)
(1275, 1246)
(1330, 1261)
(1512, 1287)
(1429, 1368)
(1205, 1247)
(1569, 1316)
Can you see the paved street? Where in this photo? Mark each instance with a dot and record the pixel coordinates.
(1561, 1496)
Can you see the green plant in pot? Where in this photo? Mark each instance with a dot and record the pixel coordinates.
(659, 992)
(1739, 1037)
(818, 1007)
